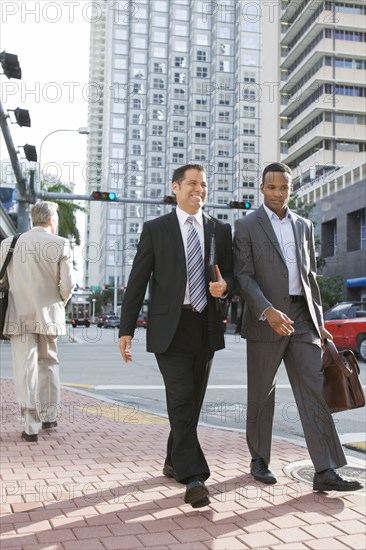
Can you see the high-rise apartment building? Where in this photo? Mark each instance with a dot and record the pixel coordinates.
(182, 82)
(323, 92)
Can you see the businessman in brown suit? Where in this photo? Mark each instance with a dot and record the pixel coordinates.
(40, 282)
(183, 333)
(275, 268)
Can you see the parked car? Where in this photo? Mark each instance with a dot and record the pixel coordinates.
(101, 319)
(346, 322)
(111, 321)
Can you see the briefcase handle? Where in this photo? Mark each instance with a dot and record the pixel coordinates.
(331, 348)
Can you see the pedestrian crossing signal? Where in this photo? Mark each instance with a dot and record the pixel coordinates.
(242, 205)
(104, 196)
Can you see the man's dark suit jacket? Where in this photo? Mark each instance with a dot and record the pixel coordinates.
(160, 254)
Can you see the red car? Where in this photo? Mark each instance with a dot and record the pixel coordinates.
(346, 322)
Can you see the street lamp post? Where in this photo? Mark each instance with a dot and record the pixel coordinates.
(93, 313)
(115, 289)
(82, 130)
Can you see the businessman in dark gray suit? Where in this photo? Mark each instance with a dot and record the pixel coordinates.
(275, 268)
(182, 332)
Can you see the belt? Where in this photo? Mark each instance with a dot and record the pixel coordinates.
(189, 307)
(296, 298)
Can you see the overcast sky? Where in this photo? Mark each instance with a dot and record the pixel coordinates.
(51, 39)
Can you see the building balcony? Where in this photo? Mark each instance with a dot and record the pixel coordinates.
(324, 103)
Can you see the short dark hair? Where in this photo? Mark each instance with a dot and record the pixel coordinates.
(276, 167)
(179, 173)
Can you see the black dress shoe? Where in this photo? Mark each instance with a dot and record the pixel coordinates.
(329, 480)
(30, 437)
(196, 494)
(261, 472)
(49, 425)
(168, 471)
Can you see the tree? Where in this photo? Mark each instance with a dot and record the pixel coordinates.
(67, 212)
(331, 290)
(104, 299)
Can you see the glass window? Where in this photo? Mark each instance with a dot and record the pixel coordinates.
(202, 72)
(178, 158)
(157, 130)
(136, 150)
(180, 61)
(201, 55)
(157, 146)
(178, 142)
(159, 67)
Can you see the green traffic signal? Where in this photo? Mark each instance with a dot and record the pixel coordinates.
(104, 196)
(242, 205)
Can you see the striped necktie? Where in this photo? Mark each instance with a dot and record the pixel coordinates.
(196, 272)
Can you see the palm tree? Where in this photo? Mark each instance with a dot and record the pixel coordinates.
(67, 212)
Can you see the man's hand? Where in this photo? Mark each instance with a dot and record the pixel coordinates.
(325, 334)
(124, 344)
(219, 288)
(279, 321)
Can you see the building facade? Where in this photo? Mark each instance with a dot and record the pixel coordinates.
(182, 82)
(323, 92)
(340, 223)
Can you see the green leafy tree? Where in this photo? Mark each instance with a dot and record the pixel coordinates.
(104, 299)
(331, 289)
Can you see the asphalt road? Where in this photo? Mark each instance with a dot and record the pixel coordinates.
(93, 365)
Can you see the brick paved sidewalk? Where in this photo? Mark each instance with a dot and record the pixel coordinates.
(96, 482)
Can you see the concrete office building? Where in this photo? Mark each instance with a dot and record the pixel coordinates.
(183, 82)
(323, 75)
(323, 137)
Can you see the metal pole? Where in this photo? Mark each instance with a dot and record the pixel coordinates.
(23, 223)
(79, 130)
(115, 277)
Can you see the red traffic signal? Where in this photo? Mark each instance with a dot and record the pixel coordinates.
(242, 205)
(170, 199)
(103, 196)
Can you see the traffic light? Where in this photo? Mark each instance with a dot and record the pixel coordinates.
(242, 205)
(22, 117)
(170, 199)
(30, 152)
(103, 196)
(10, 65)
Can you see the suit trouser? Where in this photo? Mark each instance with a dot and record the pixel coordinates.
(36, 376)
(185, 368)
(301, 354)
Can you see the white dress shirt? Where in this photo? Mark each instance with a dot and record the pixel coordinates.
(285, 236)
